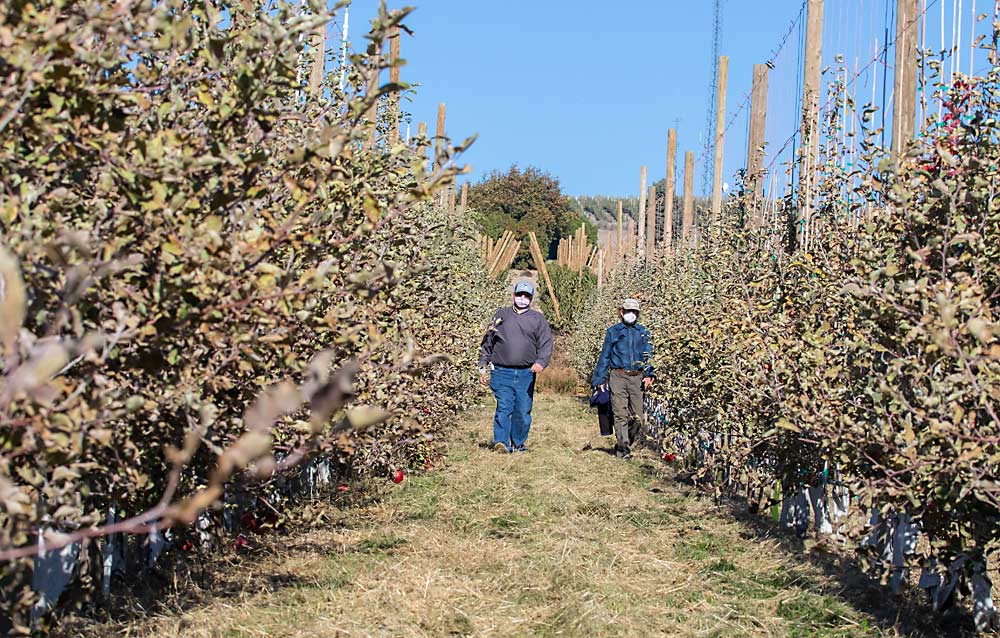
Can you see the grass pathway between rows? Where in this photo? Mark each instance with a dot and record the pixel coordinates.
(558, 542)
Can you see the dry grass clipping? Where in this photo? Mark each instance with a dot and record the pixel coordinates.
(556, 542)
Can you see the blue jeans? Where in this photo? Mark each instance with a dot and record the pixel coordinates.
(514, 389)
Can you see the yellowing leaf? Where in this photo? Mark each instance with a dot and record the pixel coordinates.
(364, 417)
(13, 299)
(785, 424)
(980, 329)
(171, 248)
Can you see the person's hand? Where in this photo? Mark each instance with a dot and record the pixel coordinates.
(647, 381)
(536, 368)
(484, 378)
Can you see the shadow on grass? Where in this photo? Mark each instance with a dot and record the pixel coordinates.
(906, 615)
(610, 450)
(184, 582)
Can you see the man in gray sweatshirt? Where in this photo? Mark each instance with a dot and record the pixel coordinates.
(516, 347)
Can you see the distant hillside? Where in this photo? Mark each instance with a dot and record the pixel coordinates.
(602, 210)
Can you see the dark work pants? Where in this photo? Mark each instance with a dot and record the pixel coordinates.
(626, 401)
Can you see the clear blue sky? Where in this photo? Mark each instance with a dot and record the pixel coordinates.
(586, 90)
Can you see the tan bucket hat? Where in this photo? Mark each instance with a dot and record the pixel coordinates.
(630, 304)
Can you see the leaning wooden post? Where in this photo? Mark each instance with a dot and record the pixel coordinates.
(600, 268)
(755, 140)
(630, 238)
(641, 240)
(668, 204)
(451, 200)
(465, 197)
(536, 252)
(904, 110)
(650, 223)
(589, 263)
(505, 259)
(394, 70)
(439, 138)
(688, 219)
(499, 249)
(810, 115)
(720, 137)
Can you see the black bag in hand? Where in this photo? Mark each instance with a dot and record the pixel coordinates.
(601, 399)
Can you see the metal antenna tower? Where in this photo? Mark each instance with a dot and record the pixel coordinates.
(708, 154)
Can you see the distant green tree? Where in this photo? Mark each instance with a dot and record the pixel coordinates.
(526, 200)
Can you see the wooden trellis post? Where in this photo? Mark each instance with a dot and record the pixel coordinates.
(439, 137)
(720, 137)
(370, 91)
(620, 235)
(394, 71)
(422, 134)
(650, 223)
(668, 205)
(904, 109)
(641, 240)
(755, 141)
(318, 62)
(810, 115)
(688, 219)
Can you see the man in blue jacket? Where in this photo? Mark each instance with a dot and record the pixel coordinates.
(625, 366)
(516, 347)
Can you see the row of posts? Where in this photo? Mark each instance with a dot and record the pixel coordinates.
(639, 240)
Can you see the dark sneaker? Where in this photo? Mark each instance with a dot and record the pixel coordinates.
(501, 447)
(521, 448)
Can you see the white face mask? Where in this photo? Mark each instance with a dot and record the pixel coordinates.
(522, 302)
(630, 317)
